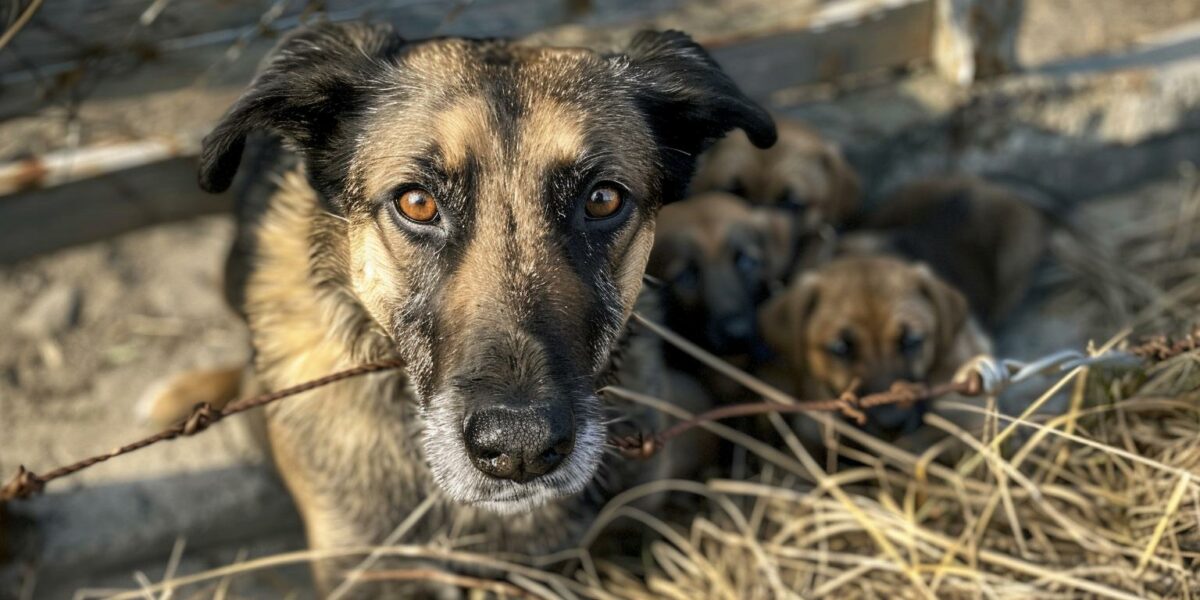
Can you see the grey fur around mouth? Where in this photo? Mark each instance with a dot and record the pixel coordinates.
(463, 483)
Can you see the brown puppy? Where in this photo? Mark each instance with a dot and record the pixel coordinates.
(983, 238)
(802, 172)
(871, 320)
(484, 211)
(719, 258)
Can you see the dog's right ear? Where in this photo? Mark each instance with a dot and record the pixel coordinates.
(688, 100)
(313, 80)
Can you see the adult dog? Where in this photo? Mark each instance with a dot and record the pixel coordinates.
(480, 209)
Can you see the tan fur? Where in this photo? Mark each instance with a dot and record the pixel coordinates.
(704, 238)
(872, 300)
(173, 399)
(508, 309)
(706, 221)
(802, 166)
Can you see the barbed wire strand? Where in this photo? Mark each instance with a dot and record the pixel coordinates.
(981, 375)
(26, 483)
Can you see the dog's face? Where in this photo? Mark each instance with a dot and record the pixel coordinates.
(872, 320)
(499, 205)
(802, 172)
(718, 258)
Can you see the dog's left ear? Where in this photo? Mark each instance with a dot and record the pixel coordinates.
(948, 303)
(687, 99)
(312, 82)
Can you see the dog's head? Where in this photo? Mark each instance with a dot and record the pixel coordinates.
(498, 205)
(718, 258)
(870, 319)
(802, 172)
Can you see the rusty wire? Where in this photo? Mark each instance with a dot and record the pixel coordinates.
(639, 446)
(27, 483)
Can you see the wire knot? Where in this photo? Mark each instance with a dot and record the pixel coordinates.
(638, 446)
(848, 404)
(202, 416)
(907, 393)
(23, 485)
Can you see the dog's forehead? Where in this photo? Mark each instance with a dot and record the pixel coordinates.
(447, 64)
(874, 296)
(490, 102)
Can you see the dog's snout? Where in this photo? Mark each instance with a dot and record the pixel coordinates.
(519, 443)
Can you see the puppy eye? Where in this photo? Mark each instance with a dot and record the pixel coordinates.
(746, 262)
(686, 278)
(737, 187)
(910, 341)
(604, 201)
(417, 205)
(842, 347)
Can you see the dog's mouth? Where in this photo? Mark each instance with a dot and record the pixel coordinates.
(459, 473)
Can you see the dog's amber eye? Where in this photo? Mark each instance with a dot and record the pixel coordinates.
(604, 202)
(417, 205)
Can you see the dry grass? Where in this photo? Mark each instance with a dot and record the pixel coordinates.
(1101, 501)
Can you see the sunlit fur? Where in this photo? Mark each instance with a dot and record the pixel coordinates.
(803, 171)
(509, 296)
(872, 300)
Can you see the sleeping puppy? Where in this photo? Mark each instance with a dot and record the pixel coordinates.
(871, 320)
(802, 172)
(983, 238)
(719, 258)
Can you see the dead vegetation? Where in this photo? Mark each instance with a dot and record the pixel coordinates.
(1100, 501)
(1103, 501)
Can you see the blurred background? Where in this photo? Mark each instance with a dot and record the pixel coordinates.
(111, 257)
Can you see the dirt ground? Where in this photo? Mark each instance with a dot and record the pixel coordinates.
(85, 331)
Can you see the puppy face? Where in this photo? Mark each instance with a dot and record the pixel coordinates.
(499, 205)
(872, 320)
(718, 258)
(802, 172)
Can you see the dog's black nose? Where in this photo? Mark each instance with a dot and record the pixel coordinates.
(519, 443)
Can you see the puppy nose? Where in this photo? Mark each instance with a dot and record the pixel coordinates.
(732, 333)
(519, 444)
(896, 419)
(739, 328)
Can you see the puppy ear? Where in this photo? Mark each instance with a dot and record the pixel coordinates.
(783, 317)
(948, 303)
(845, 188)
(781, 235)
(687, 99)
(312, 81)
